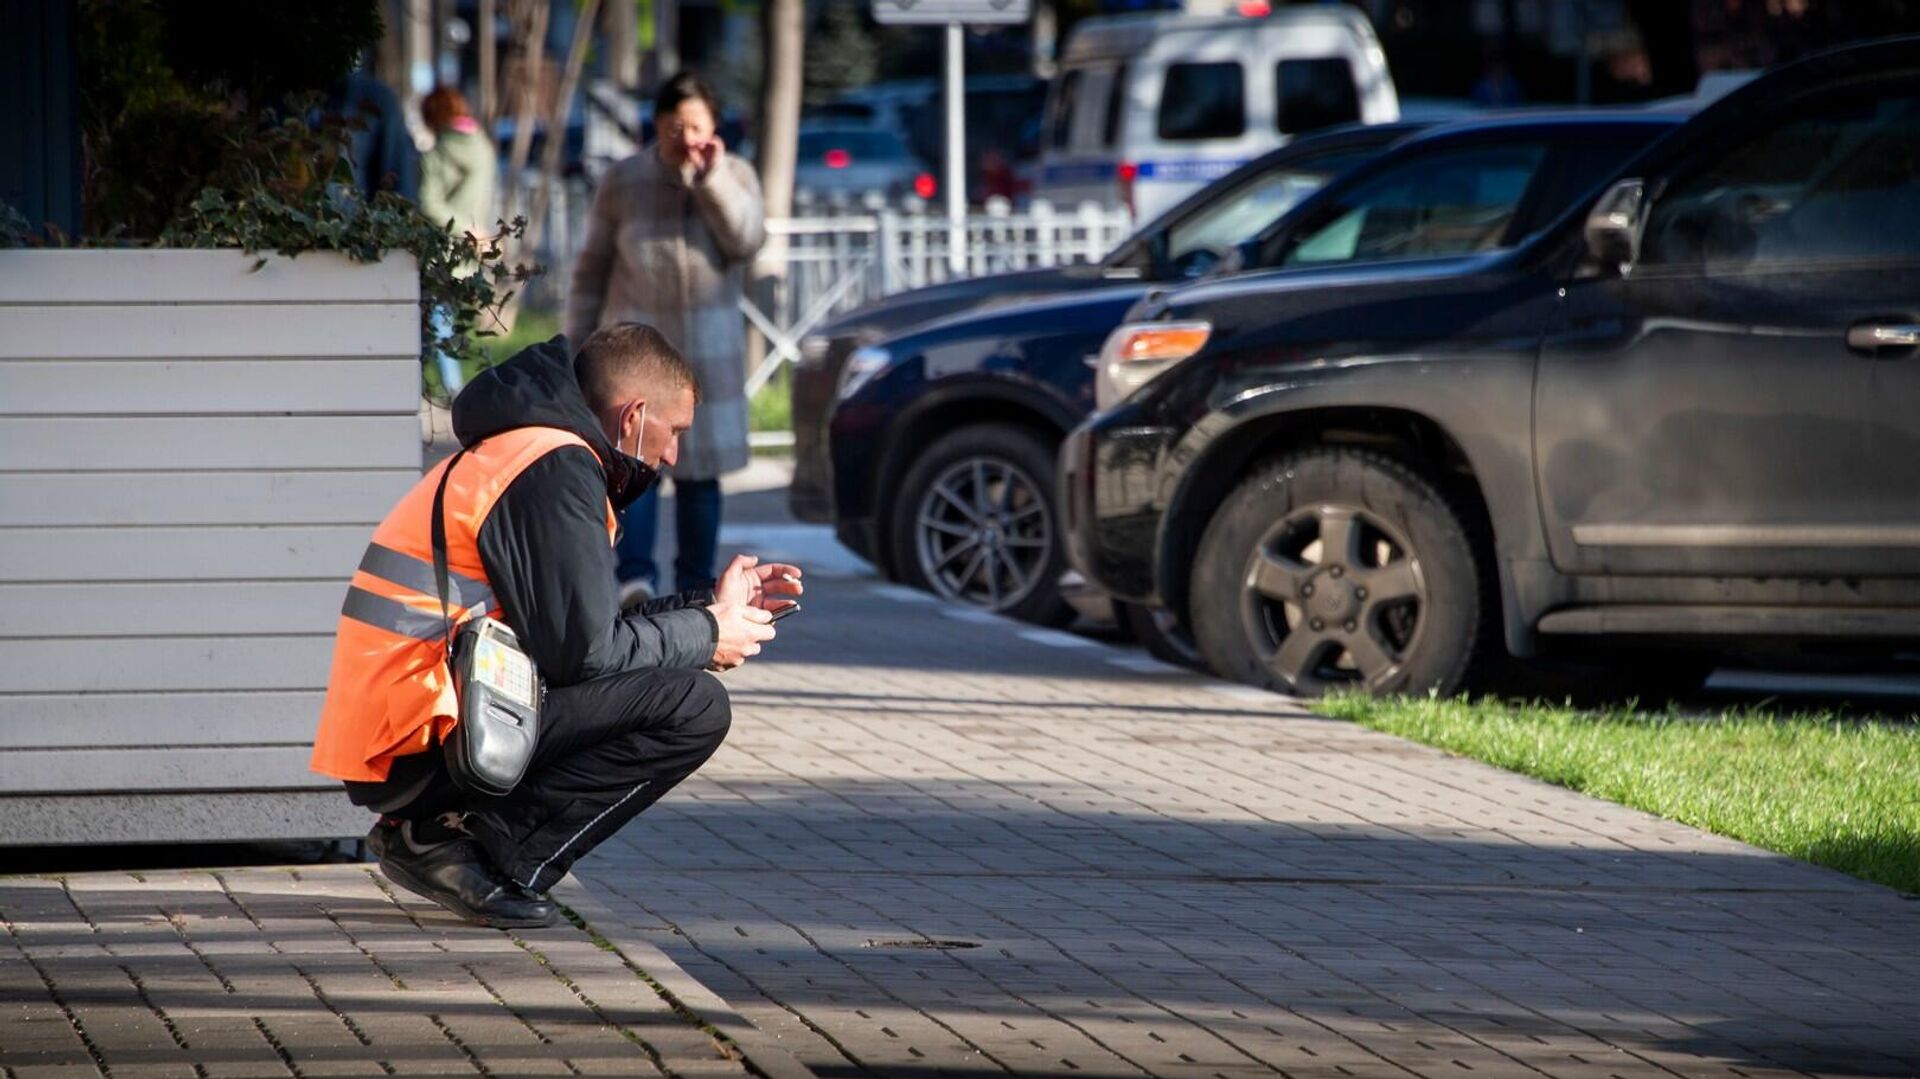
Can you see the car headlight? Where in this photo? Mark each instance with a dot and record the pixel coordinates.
(1138, 351)
(861, 367)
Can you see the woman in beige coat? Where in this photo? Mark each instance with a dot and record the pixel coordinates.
(668, 242)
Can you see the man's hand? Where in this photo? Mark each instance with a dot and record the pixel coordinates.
(743, 629)
(708, 157)
(769, 587)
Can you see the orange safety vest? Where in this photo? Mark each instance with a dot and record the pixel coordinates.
(391, 693)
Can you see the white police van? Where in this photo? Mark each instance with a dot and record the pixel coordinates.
(1147, 109)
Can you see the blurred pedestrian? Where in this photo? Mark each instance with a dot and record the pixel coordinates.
(384, 157)
(996, 176)
(668, 241)
(457, 175)
(456, 190)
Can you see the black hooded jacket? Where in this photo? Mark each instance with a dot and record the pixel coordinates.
(544, 544)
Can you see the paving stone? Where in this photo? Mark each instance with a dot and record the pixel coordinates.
(1140, 858)
(268, 972)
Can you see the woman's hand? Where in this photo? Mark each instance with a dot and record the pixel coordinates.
(708, 156)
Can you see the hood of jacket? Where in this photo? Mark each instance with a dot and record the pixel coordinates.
(536, 388)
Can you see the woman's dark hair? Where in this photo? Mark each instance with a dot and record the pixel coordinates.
(685, 86)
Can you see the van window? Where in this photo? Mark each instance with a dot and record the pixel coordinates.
(1116, 106)
(1060, 124)
(1203, 101)
(1315, 93)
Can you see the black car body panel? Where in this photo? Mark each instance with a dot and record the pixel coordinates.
(816, 379)
(1693, 437)
(1026, 363)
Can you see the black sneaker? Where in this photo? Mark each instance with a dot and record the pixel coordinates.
(457, 875)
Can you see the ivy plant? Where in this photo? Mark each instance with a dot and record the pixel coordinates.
(292, 191)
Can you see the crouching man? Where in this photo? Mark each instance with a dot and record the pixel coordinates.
(552, 447)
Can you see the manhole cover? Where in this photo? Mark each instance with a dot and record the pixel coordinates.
(925, 943)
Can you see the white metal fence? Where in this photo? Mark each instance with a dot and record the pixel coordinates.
(836, 263)
(821, 265)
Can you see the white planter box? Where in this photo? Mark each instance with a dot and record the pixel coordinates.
(192, 458)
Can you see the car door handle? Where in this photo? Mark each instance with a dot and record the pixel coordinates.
(1868, 336)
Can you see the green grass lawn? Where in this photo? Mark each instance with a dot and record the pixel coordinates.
(531, 328)
(1835, 792)
(772, 408)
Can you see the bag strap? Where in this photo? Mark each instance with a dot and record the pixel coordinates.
(440, 548)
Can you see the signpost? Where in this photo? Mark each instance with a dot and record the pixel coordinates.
(954, 15)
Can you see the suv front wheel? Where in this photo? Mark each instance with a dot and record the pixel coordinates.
(1333, 569)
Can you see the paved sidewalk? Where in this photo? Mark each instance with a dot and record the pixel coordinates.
(945, 844)
(316, 971)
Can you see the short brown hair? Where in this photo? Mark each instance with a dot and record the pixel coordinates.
(442, 107)
(629, 359)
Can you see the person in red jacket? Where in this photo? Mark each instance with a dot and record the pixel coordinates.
(552, 447)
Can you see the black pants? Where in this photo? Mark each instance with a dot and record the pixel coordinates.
(608, 749)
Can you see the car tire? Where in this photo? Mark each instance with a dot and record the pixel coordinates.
(1332, 569)
(976, 520)
(1161, 635)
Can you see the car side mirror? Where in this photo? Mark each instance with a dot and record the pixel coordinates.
(1613, 226)
(1157, 267)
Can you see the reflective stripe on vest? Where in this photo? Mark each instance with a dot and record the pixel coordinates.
(390, 693)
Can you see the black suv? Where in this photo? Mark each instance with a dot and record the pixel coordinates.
(1686, 413)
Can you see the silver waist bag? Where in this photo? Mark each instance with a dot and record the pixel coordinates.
(499, 688)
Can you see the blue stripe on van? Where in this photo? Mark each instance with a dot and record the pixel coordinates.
(1188, 170)
(1202, 169)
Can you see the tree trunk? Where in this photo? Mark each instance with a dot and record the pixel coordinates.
(556, 144)
(783, 24)
(489, 46)
(623, 43)
(779, 137)
(530, 35)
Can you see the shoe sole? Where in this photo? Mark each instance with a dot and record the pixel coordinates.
(410, 883)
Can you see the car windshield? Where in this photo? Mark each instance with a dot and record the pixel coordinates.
(1247, 211)
(1450, 202)
(858, 146)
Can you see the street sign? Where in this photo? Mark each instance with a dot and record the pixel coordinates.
(934, 12)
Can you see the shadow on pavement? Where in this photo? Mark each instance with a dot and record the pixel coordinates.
(1314, 926)
(132, 856)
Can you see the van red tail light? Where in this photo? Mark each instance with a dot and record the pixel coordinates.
(1126, 174)
(924, 186)
(838, 159)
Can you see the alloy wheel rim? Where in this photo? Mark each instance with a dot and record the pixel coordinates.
(982, 532)
(1334, 597)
